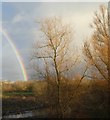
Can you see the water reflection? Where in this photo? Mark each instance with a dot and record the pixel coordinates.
(21, 115)
(41, 113)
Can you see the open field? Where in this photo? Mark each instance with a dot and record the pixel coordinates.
(90, 100)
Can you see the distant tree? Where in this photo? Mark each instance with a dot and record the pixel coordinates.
(96, 49)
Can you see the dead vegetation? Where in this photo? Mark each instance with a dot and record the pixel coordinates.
(90, 100)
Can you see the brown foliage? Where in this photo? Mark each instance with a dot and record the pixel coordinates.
(96, 49)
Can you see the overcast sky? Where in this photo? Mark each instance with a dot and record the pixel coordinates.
(19, 20)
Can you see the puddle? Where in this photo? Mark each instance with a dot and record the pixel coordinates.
(35, 113)
(21, 115)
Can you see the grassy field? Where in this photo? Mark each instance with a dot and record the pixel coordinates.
(9, 94)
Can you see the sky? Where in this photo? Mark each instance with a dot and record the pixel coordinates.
(19, 21)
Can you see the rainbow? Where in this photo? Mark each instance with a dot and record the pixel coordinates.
(6, 35)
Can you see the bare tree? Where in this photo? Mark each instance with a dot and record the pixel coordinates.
(96, 49)
(55, 51)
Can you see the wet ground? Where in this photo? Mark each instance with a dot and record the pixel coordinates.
(40, 113)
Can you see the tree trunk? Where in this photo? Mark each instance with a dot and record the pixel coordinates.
(109, 43)
(59, 109)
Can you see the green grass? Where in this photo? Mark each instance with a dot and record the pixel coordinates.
(20, 93)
